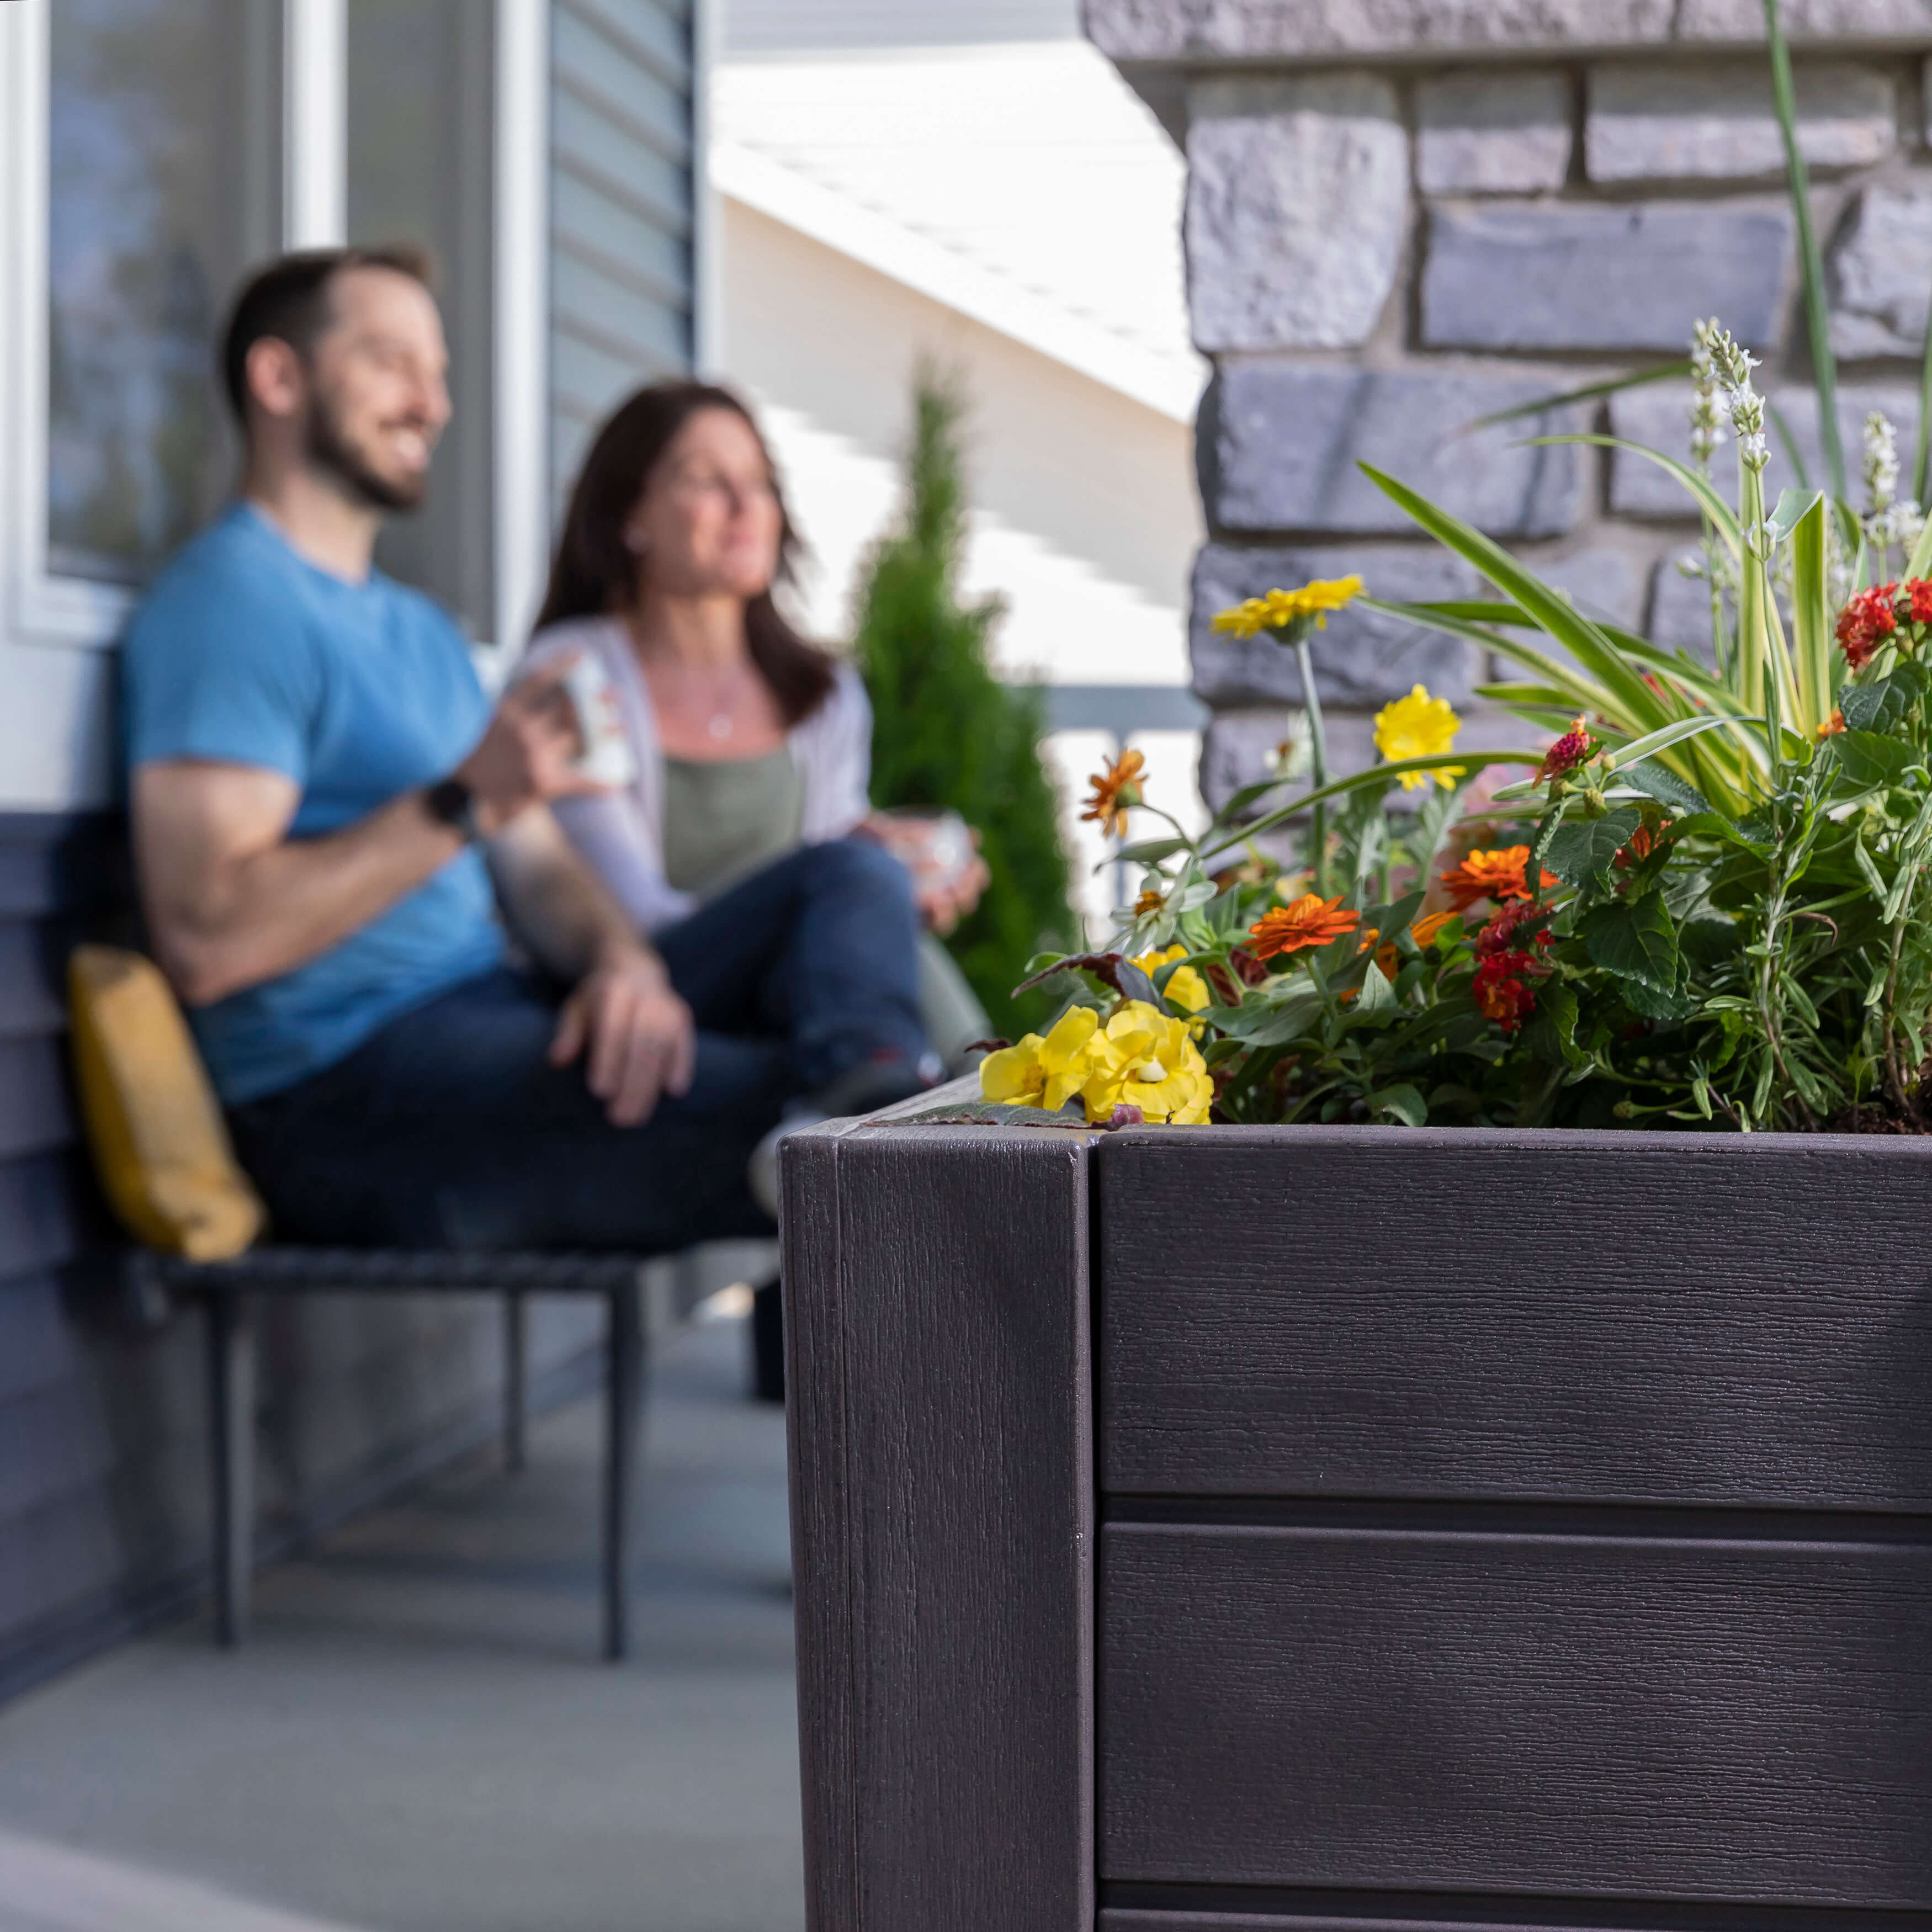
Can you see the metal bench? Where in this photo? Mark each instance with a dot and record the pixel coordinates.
(229, 1289)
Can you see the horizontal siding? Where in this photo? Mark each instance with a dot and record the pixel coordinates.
(103, 1447)
(622, 211)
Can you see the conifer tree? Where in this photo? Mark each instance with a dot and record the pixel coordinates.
(946, 732)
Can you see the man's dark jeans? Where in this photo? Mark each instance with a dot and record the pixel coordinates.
(450, 1129)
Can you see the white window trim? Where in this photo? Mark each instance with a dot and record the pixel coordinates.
(520, 348)
(315, 123)
(37, 606)
(42, 608)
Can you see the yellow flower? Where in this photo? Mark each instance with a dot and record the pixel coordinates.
(1185, 986)
(1418, 727)
(1280, 608)
(1038, 1072)
(1151, 1063)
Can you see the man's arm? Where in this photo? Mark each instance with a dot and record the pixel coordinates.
(232, 901)
(640, 1036)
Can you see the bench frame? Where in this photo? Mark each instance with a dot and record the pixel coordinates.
(229, 1290)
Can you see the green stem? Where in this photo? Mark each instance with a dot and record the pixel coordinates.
(1824, 369)
(1318, 756)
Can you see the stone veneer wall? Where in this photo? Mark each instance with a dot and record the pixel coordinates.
(1404, 214)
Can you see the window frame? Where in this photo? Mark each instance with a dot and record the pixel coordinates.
(43, 607)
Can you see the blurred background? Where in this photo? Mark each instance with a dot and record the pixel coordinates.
(939, 245)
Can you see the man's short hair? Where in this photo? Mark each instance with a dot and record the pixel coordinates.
(289, 300)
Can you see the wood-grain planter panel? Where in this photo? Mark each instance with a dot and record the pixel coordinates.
(1495, 1529)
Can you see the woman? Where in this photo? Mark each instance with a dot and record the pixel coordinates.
(752, 748)
(749, 743)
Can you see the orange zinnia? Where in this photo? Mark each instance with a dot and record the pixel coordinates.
(1311, 920)
(1387, 956)
(1115, 789)
(1495, 875)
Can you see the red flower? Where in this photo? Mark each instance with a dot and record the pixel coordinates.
(1865, 623)
(1920, 594)
(1501, 990)
(1572, 748)
(1518, 925)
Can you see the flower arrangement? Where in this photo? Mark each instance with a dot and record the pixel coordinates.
(1701, 903)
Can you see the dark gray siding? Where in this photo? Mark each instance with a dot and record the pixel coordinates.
(103, 1497)
(622, 209)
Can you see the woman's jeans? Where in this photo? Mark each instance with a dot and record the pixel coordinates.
(450, 1129)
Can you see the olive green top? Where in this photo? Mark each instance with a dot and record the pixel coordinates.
(724, 819)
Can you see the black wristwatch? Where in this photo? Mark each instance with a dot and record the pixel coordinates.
(451, 802)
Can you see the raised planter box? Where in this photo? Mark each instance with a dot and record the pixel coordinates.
(1269, 1528)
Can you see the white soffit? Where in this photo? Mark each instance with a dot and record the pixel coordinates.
(1025, 187)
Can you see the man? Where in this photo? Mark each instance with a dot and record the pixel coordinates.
(316, 780)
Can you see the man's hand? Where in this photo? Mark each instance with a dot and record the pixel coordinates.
(529, 754)
(641, 1039)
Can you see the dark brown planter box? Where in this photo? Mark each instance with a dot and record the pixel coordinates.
(1351, 1528)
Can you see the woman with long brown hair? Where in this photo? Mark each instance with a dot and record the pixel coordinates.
(738, 844)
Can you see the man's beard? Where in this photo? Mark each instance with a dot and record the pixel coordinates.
(330, 450)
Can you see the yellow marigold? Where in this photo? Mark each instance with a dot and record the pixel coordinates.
(1185, 986)
(1280, 608)
(1310, 921)
(1046, 1073)
(1418, 726)
(1145, 1059)
(1115, 789)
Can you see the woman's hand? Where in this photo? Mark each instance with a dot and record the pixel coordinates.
(944, 893)
(943, 907)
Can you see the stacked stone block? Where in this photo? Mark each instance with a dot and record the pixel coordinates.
(1406, 215)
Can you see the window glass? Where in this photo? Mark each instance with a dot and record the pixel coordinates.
(419, 81)
(148, 134)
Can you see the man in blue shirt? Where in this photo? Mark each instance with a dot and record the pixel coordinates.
(316, 778)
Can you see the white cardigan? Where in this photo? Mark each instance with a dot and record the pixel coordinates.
(620, 835)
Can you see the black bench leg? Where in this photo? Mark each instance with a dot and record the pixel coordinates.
(231, 1406)
(624, 1436)
(516, 1349)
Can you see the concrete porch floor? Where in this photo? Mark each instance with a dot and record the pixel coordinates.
(419, 1736)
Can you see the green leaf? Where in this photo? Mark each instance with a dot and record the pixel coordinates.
(1664, 785)
(1635, 701)
(1584, 852)
(1376, 993)
(1869, 759)
(1635, 940)
(1881, 707)
(1666, 735)
(1403, 1102)
(1148, 852)
(1712, 504)
(1551, 1034)
(1810, 604)
(1664, 372)
(1817, 313)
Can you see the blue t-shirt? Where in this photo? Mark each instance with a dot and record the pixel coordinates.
(244, 653)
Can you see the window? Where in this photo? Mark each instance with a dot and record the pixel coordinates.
(421, 75)
(162, 182)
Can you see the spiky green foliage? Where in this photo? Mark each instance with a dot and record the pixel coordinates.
(946, 732)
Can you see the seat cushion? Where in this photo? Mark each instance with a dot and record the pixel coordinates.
(160, 1146)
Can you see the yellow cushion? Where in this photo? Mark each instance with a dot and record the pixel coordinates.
(160, 1145)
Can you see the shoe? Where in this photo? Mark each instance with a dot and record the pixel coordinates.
(863, 1089)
